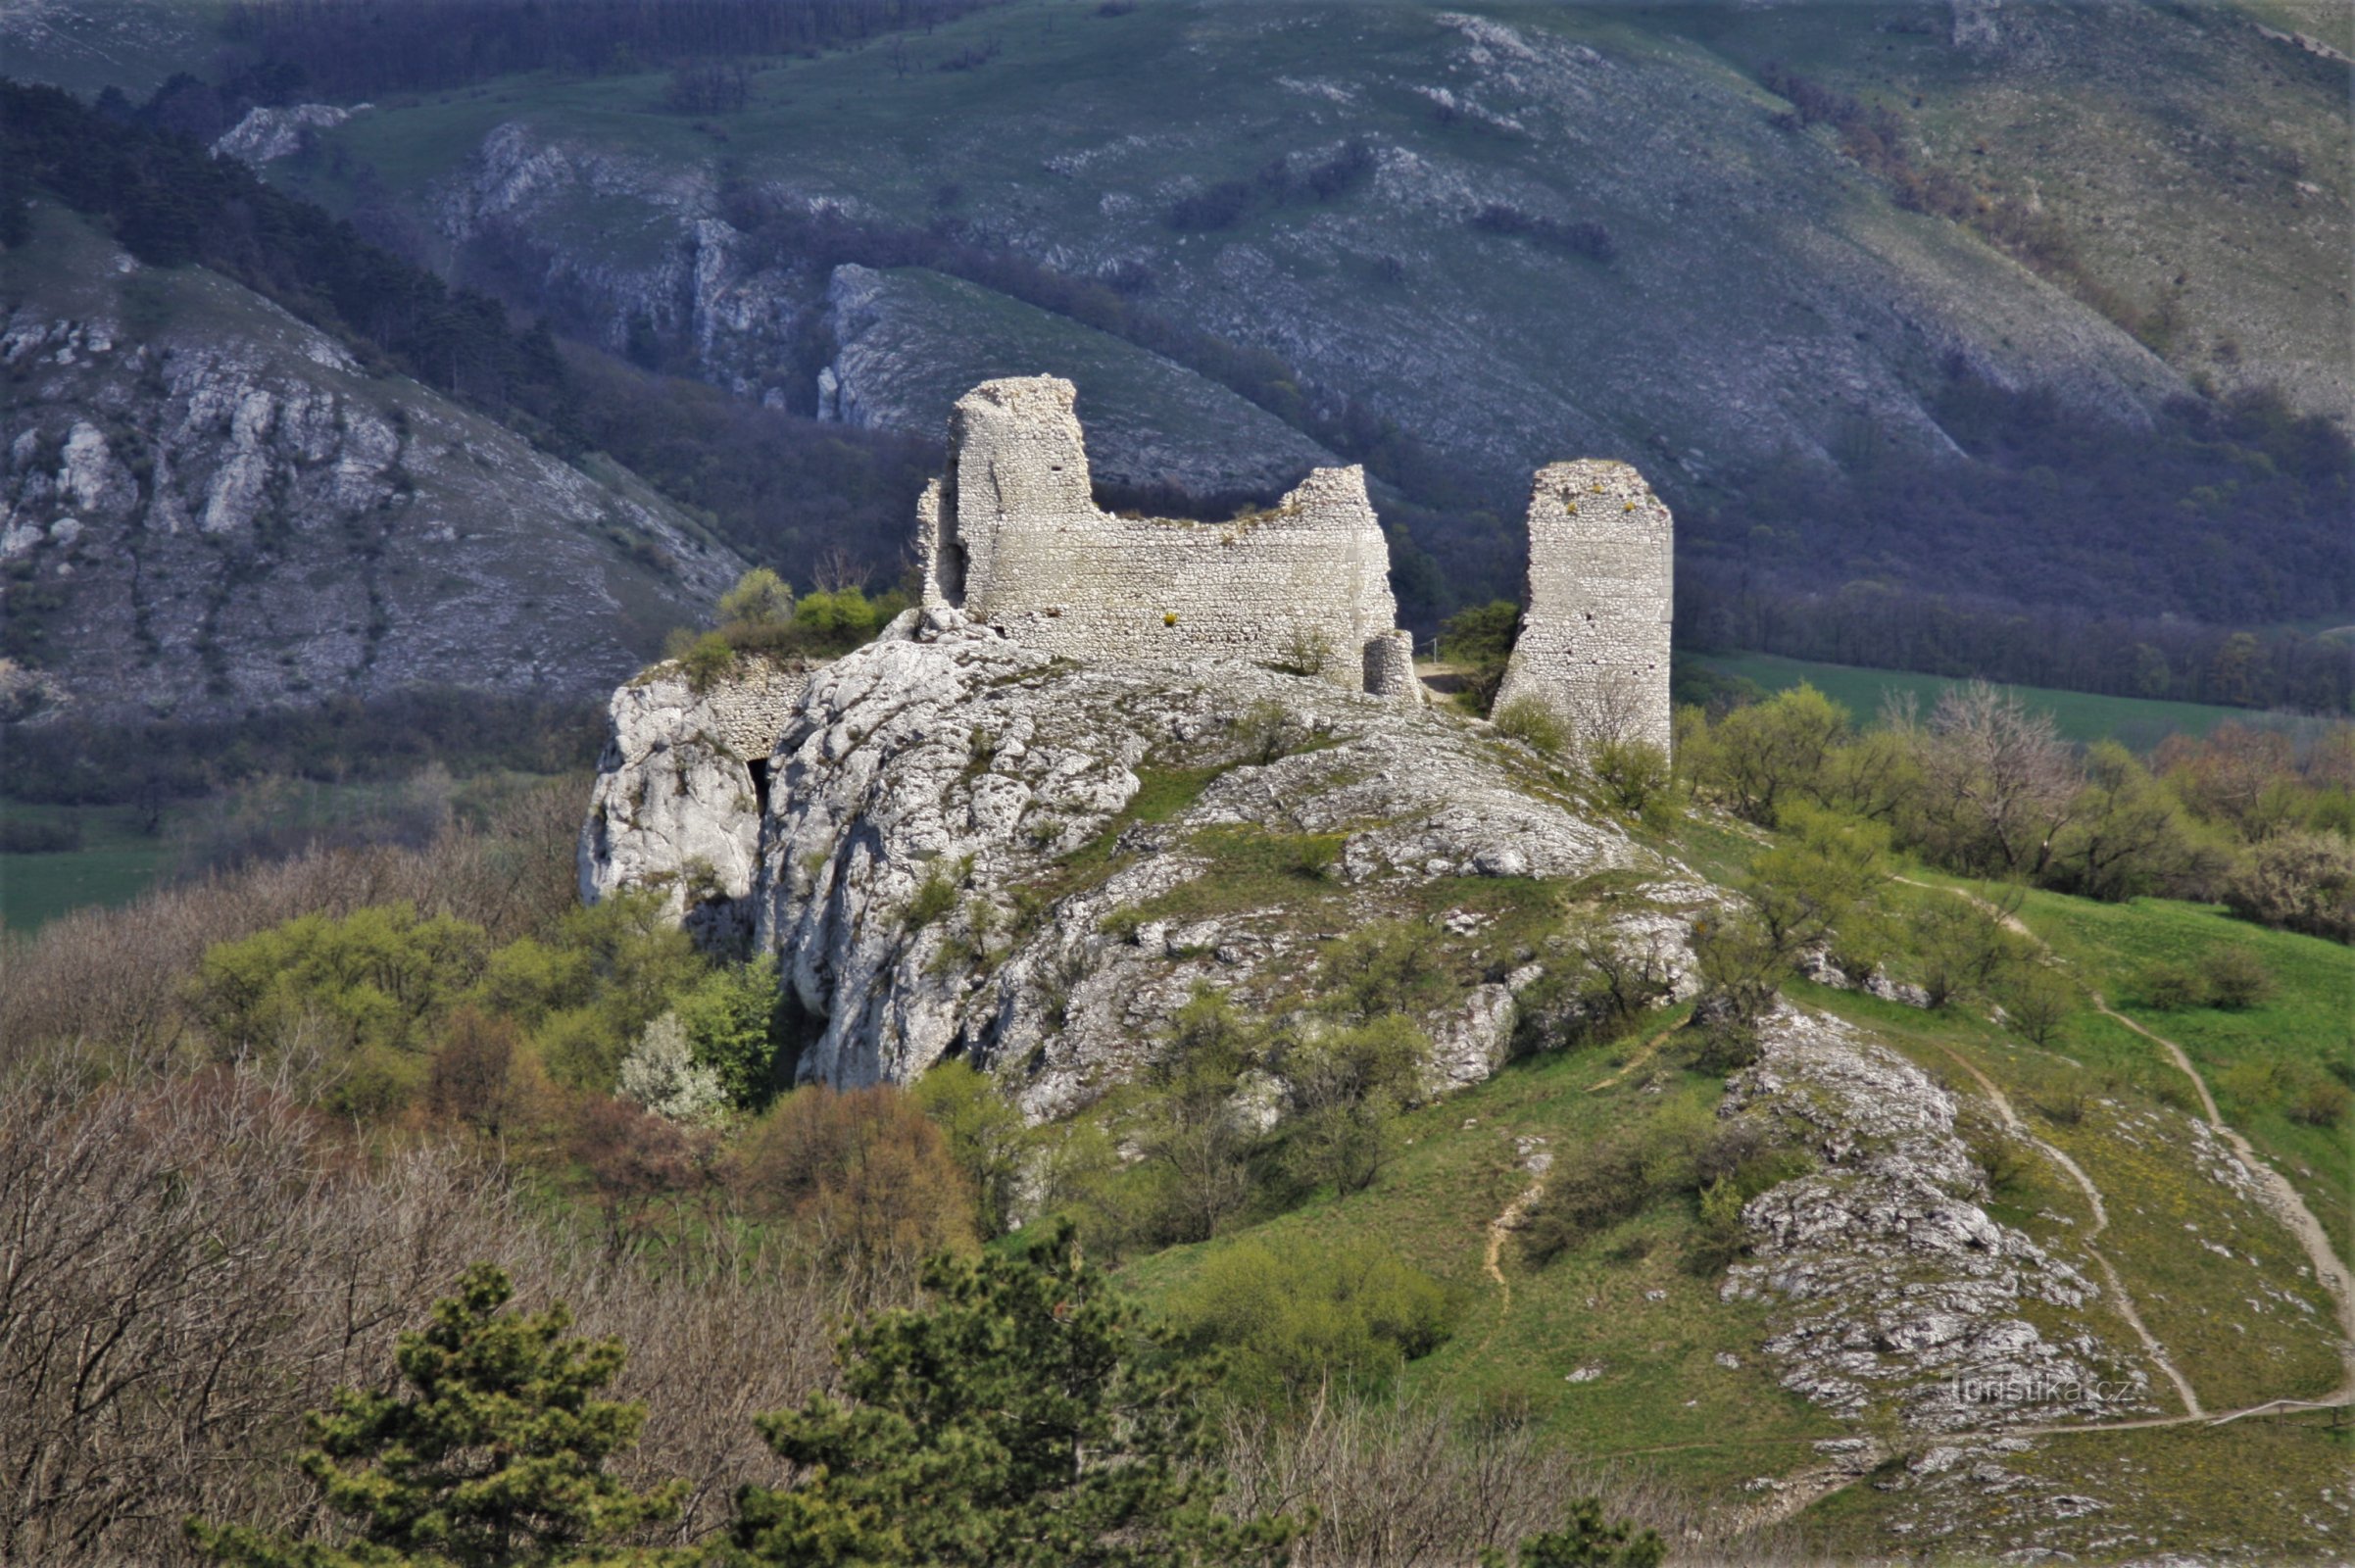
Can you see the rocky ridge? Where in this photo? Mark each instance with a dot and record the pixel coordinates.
(207, 506)
(953, 863)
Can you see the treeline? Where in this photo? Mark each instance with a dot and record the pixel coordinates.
(351, 48)
(1983, 787)
(340, 740)
(1879, 627)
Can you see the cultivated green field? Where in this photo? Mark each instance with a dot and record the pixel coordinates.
(2135, 721)
(115, 865)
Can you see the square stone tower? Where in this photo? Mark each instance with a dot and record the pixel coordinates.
(1593, 642)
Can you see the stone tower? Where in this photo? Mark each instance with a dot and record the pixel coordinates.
(1593, 642)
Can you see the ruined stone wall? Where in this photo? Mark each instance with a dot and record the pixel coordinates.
(1013, 536)
(1593, 643)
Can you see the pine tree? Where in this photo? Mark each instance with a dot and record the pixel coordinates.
(1585, 1541)
(494, 1457)
(1022, 1421)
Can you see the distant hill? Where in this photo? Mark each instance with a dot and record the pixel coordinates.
(210, 507)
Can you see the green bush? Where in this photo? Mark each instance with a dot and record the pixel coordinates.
(933, 898)
(1388, 967)
(730, 1018)
(2169, 987)
(1289, 1322)
(1533, 723)
(1634, 774)
(1588, 1190)
(2299, 881)
(2236, 978)
(759, 598)
(376, 980)
(1480, 640)
(1347, 1087)
(2038, 999)
(986, 1135)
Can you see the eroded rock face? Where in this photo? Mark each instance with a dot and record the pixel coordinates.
(1895, 1289)
(681, 790)
(217, 509)
(955, 860)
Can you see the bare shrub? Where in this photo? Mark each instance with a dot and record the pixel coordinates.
(1411, 1483)
(512, 878)
(190, 1263)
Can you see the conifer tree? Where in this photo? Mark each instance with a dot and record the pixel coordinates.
(1022, 1420)
(493, 1458)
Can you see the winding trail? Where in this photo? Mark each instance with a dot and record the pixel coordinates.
(2276, 1192)
(2279, 1195)
(2118, 1294)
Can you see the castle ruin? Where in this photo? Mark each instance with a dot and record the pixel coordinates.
(1012, 535)
(1597, 613)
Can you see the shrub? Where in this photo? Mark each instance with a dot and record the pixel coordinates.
(661, 1075)
(1962, 948)
(1388, 967)
(986, 1135)
(933, 898)
(760, 597)
(2319, 1101)
(1586, 1540)
(1588, 1190)
(864, 1177)
(1533, 723)
(1291, 1322)
(1347, 1087)
(1266, 733)
(2169, 987)
(2299, 881)
(730, 1018)
(2038, 999)
(2236, 978)
(1307, 651)
(1481, 639)
(1633, 774)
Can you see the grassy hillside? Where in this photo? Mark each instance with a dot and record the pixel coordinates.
(1669, 1376)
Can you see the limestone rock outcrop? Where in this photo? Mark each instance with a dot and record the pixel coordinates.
(210, 507)
(973, 846)
(681, 791)
(1893, 1284)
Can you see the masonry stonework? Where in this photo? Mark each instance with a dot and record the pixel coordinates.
(1593, 642)
(1013, 536)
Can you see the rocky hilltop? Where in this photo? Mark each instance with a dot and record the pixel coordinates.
(208, 506)
(963, 846)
